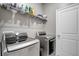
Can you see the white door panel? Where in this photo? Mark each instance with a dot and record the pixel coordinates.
(69, 36)
(68, 21)
(66, 47)
(69, 46)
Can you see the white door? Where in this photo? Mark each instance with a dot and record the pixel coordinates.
(66, 31)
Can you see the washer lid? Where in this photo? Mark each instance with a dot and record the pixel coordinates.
(21, 45)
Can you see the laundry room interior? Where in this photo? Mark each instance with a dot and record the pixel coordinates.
(39, 29)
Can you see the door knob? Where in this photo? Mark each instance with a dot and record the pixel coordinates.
(58, 36)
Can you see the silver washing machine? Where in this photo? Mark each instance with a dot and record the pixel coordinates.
(47, 43)
(19, 45)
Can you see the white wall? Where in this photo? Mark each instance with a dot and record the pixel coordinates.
(50, 10)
